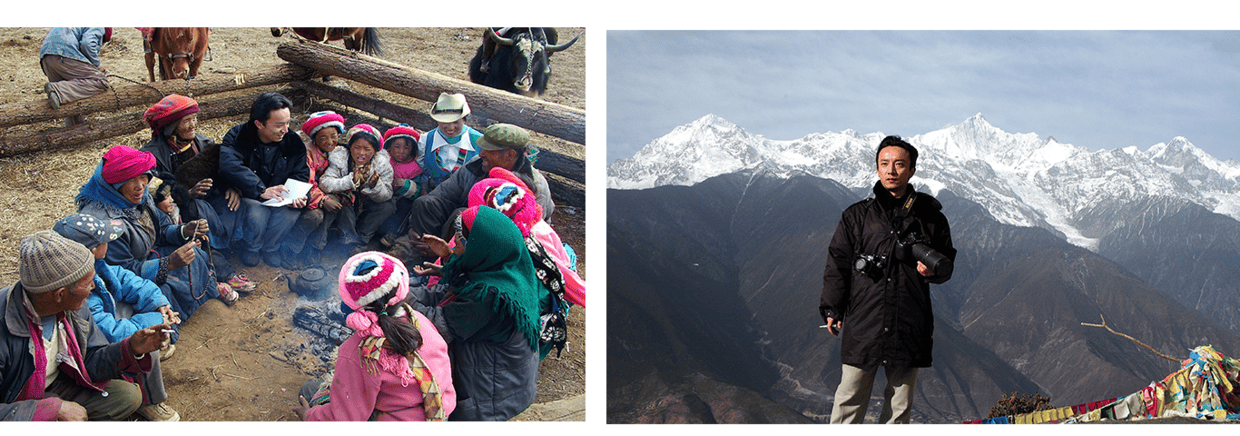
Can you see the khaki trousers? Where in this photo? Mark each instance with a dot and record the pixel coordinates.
(73, 80)
(853, 396)
(119, 399)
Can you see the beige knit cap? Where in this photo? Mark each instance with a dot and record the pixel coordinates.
(48, 261)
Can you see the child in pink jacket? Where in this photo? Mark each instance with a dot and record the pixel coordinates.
(395, 366)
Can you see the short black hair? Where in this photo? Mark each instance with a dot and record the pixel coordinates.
(265, 103)
(895, 141)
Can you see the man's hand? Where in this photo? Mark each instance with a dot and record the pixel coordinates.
(149, 339)
(277, 192)
(834, 326)
(330, 204)
(200, 189)
(234, 198)
(924, 270)
(437, 246)
(70, 411)
(298, 203)
(183, 256)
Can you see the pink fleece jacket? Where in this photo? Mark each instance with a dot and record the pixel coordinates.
(355, 392)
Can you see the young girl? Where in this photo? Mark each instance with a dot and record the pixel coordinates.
(362, 176)
(323, 130)
(400, 142)
(395, 366)
(446, 148)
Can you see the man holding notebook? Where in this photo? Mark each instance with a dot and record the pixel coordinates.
(258, 158)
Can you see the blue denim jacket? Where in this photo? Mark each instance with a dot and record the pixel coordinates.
(78, 43)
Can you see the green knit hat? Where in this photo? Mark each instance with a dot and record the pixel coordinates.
(48, 261)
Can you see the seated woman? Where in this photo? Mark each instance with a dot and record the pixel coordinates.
(308, 238)
(118, 191)
(362, 175)
(488, 300)
(395, 366)
(505, 192)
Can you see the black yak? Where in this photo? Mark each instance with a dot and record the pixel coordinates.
(521, 62)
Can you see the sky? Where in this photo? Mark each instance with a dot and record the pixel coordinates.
(1096, 89)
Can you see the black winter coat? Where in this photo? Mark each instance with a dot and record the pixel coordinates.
(252, 166)
(887, 317)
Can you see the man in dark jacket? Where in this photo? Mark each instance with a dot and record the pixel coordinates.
(55, 364)
(502, 145)
(256, 158)
(876, 294)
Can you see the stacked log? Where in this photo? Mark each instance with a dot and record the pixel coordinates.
(540, 116)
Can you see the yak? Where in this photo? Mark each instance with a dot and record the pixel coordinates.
(521, 61)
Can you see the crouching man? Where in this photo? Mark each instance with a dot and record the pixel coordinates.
(55, 364)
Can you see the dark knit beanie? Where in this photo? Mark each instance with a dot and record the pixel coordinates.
(48, 261)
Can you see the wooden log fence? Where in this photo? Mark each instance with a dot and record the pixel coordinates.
(118, 126)
(126, 95)
(540, 116)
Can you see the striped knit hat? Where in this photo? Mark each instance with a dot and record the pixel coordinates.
(401, 131)
(48, 261)
(319, 120)
(368, 277)
(372, 135)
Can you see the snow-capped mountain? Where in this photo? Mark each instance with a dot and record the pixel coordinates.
(1021, 179)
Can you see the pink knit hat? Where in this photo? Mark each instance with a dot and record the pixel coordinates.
(319, 120)
(366, 278)
(121, 163)
(401, 131)
(364, 129)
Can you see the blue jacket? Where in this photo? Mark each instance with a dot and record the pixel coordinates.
(77, 43)
(114, 283)
(251, 166)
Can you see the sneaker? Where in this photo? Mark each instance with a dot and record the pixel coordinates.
(53, 100)
(158, 412)
(250, 258)
(227, 294)
(240, 283)
(165, 353)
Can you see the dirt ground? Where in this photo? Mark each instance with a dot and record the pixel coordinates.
(243, 363)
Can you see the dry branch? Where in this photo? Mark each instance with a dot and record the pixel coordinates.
(125, 95)
(537, 115)
(117, 126)
(1104, 325)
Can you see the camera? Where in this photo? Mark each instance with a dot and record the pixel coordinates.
(870, 264)
(916, 244)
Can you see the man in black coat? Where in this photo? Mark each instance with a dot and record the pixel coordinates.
(876, 293)
(256, 158)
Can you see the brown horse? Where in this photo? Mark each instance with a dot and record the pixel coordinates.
(180, 51)
(363, 39)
